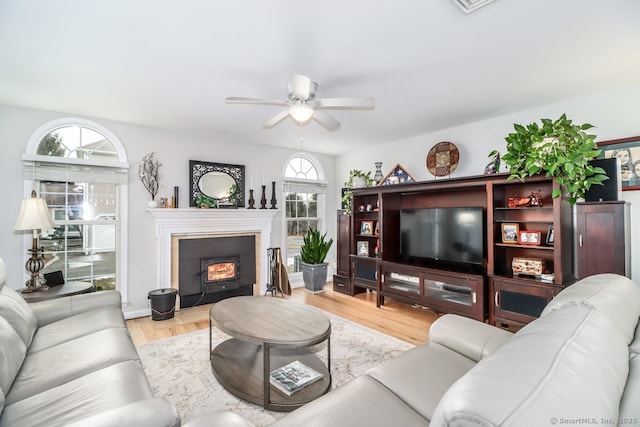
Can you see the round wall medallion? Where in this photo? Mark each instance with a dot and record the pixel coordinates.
(443, 158)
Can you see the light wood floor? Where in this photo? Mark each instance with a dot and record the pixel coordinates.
(410, 324)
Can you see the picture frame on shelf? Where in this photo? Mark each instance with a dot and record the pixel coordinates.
(528, 237)
(363, 248)
(376, 230)
(627, 150)
(550, 237)
(366, 228)
(510, 232)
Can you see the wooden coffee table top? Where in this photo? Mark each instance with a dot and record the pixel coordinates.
(279, 322)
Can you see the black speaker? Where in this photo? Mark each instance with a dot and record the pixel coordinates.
(54, 278)
(609, 191)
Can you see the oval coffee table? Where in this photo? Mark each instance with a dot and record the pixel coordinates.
(268, 333)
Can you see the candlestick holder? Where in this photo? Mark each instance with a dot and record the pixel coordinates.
(252, 201)
(263, 199)
(273, 195)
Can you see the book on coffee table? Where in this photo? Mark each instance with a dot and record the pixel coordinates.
(293, 377)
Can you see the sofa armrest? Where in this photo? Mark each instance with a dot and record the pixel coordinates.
(151, 412)
(466, 336)
(57, 309)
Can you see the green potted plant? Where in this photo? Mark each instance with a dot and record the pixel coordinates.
(313, 251)
(203, 201)
(560, 149)
(357, 179)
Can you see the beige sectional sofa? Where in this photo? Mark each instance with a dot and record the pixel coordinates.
(71, 361)
(578, 364)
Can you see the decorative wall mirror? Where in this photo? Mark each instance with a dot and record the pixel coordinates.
(221, 182)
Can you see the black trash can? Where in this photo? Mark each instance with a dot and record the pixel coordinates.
(163, 303)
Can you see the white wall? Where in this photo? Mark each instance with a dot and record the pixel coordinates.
(173, 150)
(615, 115)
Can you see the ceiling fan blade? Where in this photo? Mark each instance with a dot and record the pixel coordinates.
(275, 119)
(301, 86)
(326, 121)
(242, 100)
(346, 103)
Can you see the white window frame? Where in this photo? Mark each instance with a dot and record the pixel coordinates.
(319, 186)
(30, 157)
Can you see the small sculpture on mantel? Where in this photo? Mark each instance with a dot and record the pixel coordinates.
(494, 164)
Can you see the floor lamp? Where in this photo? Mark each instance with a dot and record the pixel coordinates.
(34, 216)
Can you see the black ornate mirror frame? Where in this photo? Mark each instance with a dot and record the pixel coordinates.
(198, 168)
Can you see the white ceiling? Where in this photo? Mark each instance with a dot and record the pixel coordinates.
(170, 63)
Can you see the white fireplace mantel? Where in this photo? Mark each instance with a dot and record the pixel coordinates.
(190, 221)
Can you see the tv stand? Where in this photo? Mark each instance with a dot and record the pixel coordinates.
(440, 290)
(491, 290)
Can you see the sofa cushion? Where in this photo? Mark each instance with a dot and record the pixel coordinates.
(630, 406)
(570, 364)
(53, 310)
(12, 354)
(18, 313)
(361, 402)
(615, 295)
(102, 390)
(76, 326)
(422, 375)
(467, 336)
(3, 273)
(70, 360)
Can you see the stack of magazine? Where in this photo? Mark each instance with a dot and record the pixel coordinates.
(293, 377)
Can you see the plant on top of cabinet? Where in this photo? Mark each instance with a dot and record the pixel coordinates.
(357, 179)
(560, 149)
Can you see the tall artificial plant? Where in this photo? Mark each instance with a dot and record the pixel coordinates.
(560, 149)
(315, 247)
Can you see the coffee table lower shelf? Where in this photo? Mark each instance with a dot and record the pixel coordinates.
(239, 367)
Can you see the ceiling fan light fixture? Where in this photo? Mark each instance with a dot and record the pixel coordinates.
(301, 112)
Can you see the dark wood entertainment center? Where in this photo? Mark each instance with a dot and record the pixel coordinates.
(489, 292)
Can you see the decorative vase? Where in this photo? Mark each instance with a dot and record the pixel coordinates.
(152, 204)
(377, 177)
(314, 276)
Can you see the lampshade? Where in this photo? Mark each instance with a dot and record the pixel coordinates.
(301, 112)
(34, 214)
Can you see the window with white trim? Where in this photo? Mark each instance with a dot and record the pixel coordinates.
(80, 169)
(304, 192)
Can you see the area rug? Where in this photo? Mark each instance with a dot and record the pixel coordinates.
(179, 370)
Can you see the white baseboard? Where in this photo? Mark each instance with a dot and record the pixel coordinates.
(138, 313)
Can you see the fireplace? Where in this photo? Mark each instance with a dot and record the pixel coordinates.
(219, 274)
(174, 225)
(213, 268)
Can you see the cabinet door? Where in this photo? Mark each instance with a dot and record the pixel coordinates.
(364, 272)
(455, 294)
(402, 282)
(343, 267)
(601, 238)
(518, 302)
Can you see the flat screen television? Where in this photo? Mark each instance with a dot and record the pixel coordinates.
(448, 235)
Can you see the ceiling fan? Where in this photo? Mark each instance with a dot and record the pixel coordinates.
(301, 104)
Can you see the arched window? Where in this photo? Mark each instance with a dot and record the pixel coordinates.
(80, 168)
(304, 193)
